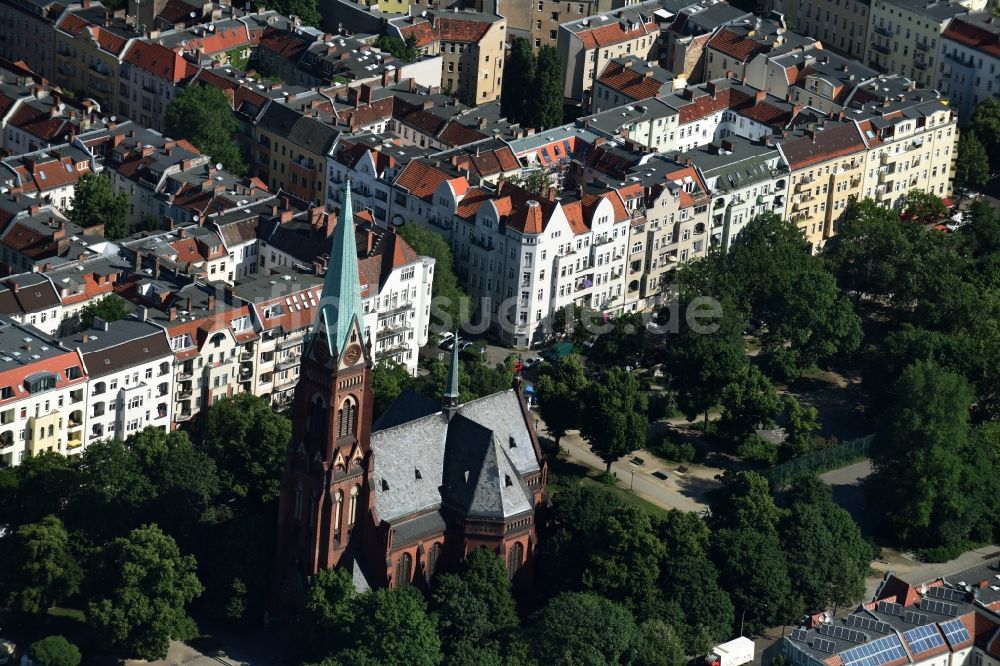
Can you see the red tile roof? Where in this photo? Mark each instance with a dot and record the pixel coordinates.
(160, 61)
(735, 45)
(421, 179)
(283, 44)
(974, 36)
(457, 134)
(421, 30)
(459, 30)
(613, 33)
(628, 82)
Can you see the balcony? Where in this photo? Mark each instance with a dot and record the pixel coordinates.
(100, 68)
(920, 64)
(923, 46)
(882, 48)
(74, 439)
(149, 87)
(246, 355)
(390, 331)
(183, 415)
(483, 242)
(290, 362)
(884, 31)
(184, 394)
(185, 374)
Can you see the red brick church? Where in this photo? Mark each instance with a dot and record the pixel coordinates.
(413, 493)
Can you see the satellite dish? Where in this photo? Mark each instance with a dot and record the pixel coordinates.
(195, 217)
(218, 166)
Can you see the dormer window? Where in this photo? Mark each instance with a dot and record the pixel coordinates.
(385, 485)
(416, 474)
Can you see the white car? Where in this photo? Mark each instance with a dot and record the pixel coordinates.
(530, 362)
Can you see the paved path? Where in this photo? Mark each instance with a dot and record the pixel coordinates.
(684, 492)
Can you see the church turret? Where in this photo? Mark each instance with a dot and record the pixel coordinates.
(450, 396)
(325, 485)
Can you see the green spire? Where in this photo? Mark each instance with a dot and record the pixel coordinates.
(451, 389)
(341, 299)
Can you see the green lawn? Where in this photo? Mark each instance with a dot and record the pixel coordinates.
(564, 474)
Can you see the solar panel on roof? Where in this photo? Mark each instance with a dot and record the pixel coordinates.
(890, 608)
(955, 631)
(923, 638)
(799, 634)
(946, 593)
(912, 617)
(878, 652)
(936, 606)
(824, 645)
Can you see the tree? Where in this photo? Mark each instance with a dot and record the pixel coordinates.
(615, 422)
(247, 440)
(827, 556)
(41, 485)
(924, 207)
(972, 167)
(110, 308)
(202, 115)
(474, 607)
(985, 124)
(801, 421)
(582, 629)
(393, 628)
(744, 500)
(94, 202)
(145, 586)
(559, 387)
(37, 569)
(445, 290)
(623, 344)
(698, 608)
(748, 403)
(752, 568)
(388, 380)
(659, 645)
(546, 100)
(149, 223)
(537, 181)
(519, 76)
(406, 51)
(921, 459)
(324, 626)
(54, 651)
(702, 366)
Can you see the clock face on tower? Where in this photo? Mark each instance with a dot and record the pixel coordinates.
(352, 355)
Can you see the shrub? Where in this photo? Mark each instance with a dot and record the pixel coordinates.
(757, 449)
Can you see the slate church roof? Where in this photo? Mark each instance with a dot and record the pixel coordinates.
(473, 464)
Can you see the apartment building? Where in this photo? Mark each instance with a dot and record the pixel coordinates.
(904, 36)
(31, 298)
(35, 235)
(539, 21)
(38, 118)
(587, 45)
(629, 80)
(292, 150)
(969, 62)
(745, 178)
(472, 51)
(42, 395)
(827, 163)
(27, 33)
(671, 229)
(89, 278)
(150, 76)
(651, 124)
(819, 79)
(48, 175)
(129, 377)
(911, 142)
(732, 47)
(89, 47)
(841, 25)
(689, 26)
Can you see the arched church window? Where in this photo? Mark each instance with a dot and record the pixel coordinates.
(515, 558)
(433, 555)
(347, 417)
(338, 512)
(403, 568)
(353, 506)
(317, 415)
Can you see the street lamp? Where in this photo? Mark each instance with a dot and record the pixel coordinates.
(743, 616)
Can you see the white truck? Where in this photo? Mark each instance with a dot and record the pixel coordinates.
(736, 652)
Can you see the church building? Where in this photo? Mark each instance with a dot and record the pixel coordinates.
(412, 494)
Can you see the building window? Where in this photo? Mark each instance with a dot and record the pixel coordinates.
(352, 513)
(338, 513)
(515, 559)
(403, 568)
(433, 555)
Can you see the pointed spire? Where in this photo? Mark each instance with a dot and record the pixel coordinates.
(341, 299)
(451, 389)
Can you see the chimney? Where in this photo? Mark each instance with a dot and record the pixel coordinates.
(211, 301)
(172, 314)
(156, 267)
(385, 78)
(761, 95)
(286, 216)
(727, 145)
(188, 304)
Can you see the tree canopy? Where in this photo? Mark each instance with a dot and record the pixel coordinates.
(445, 290)
(95, 203)
(146, 587)
(54, 651)
(615, 421)
(202, 114)
(37, 568)
(110, 308)
(545, 104)
(518, 76)
(559, 388)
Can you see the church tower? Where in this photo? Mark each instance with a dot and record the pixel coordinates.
(326, 481)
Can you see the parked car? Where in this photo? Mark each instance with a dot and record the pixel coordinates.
(7, 651)
(530, 362)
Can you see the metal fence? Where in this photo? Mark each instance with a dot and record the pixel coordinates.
(824, 460)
